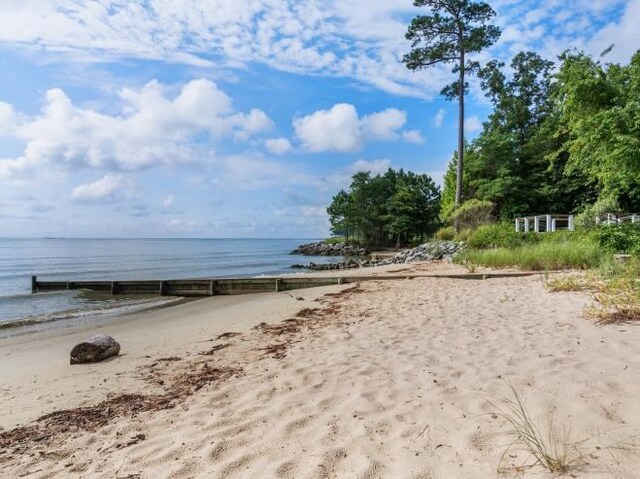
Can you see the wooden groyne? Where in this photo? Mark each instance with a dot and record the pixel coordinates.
(225, 286)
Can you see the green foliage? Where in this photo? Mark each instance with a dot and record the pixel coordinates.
(473, 213)
(499, 235)
(587, 217)
(543, 256)
(602, 114)
(620, 238)
(394, 208)
(555, 143)
(448, 233)
(338, 212)
(335, 239)
(455, 29)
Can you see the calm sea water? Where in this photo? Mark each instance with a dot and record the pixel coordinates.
(120, 259)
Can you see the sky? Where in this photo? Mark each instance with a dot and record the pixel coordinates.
(236, 118)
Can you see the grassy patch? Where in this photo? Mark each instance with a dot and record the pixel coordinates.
(574, 282)
(544, 256)
(616, 290)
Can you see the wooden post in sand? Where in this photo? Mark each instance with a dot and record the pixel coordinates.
(278, 283)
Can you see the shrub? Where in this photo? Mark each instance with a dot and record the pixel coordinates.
(587, 218)
(473, 213)
(335, 240)
(621, 238)
(447, 233)
(500, 235)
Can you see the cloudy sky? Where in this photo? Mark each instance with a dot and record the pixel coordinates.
(234, 118)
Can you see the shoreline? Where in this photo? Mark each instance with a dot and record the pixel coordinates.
(381, 379)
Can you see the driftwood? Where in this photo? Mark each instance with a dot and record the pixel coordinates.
(95, 349)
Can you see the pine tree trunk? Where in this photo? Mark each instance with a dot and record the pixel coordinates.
(460, 166)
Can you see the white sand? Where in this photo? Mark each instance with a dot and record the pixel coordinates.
(395, 381)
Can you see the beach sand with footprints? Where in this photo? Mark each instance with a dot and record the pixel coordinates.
(383, 379)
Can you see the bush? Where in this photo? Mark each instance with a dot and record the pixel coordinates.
(335, 240)
(578, 254)
(587, 218)
(447, 233)
(620, 238)
(500, 235)
(473, 213)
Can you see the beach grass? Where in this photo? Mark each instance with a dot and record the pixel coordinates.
(616, 289)
(551, 449)
(544, 256)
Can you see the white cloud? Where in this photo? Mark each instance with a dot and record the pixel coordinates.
(413, 136)
(325, 37)
(341, 129)
(624, 34)
(278, 146)
(337, 129)
(151, 129)
(375, 167)
(472, 124)
(100, 190)
(438, 120)
(321, 37)
(384, 125)
(7, 118)
(168, 201)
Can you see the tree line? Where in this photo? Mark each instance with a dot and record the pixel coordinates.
(561, 138)
(396, 207)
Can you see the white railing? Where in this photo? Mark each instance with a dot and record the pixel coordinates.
(612, 219)
(544, 223)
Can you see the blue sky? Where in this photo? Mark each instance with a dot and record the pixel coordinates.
(234, 118)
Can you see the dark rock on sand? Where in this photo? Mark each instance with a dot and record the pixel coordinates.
(95, 349)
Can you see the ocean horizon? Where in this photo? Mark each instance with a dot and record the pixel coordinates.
(74, 259)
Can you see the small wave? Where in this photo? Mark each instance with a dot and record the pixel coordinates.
(103, 310)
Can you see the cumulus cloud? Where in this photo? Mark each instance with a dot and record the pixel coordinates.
(341, 129)
(103, 189)
(325, 37)
(318, 36)
(472, 124)
(438, 120)
(373, 166)
(152, 128)
(7, 118)
(278, 146)
(413, 136)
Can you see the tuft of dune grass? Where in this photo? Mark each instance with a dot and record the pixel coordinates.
(545, 256)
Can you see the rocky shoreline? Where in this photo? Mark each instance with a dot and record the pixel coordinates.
(321, 248)
(433, 251)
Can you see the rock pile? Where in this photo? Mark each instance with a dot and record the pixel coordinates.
(329, 249)
(425, 252)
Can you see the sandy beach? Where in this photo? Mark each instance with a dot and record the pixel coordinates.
(383, 379)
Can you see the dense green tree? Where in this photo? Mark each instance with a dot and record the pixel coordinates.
(339, 216)
(509, 162)
(601, 113)
(454, 30)
(394, 208)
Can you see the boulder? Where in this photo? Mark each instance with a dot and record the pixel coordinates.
(95, 349)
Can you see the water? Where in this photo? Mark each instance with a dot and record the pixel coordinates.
(121, 259)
